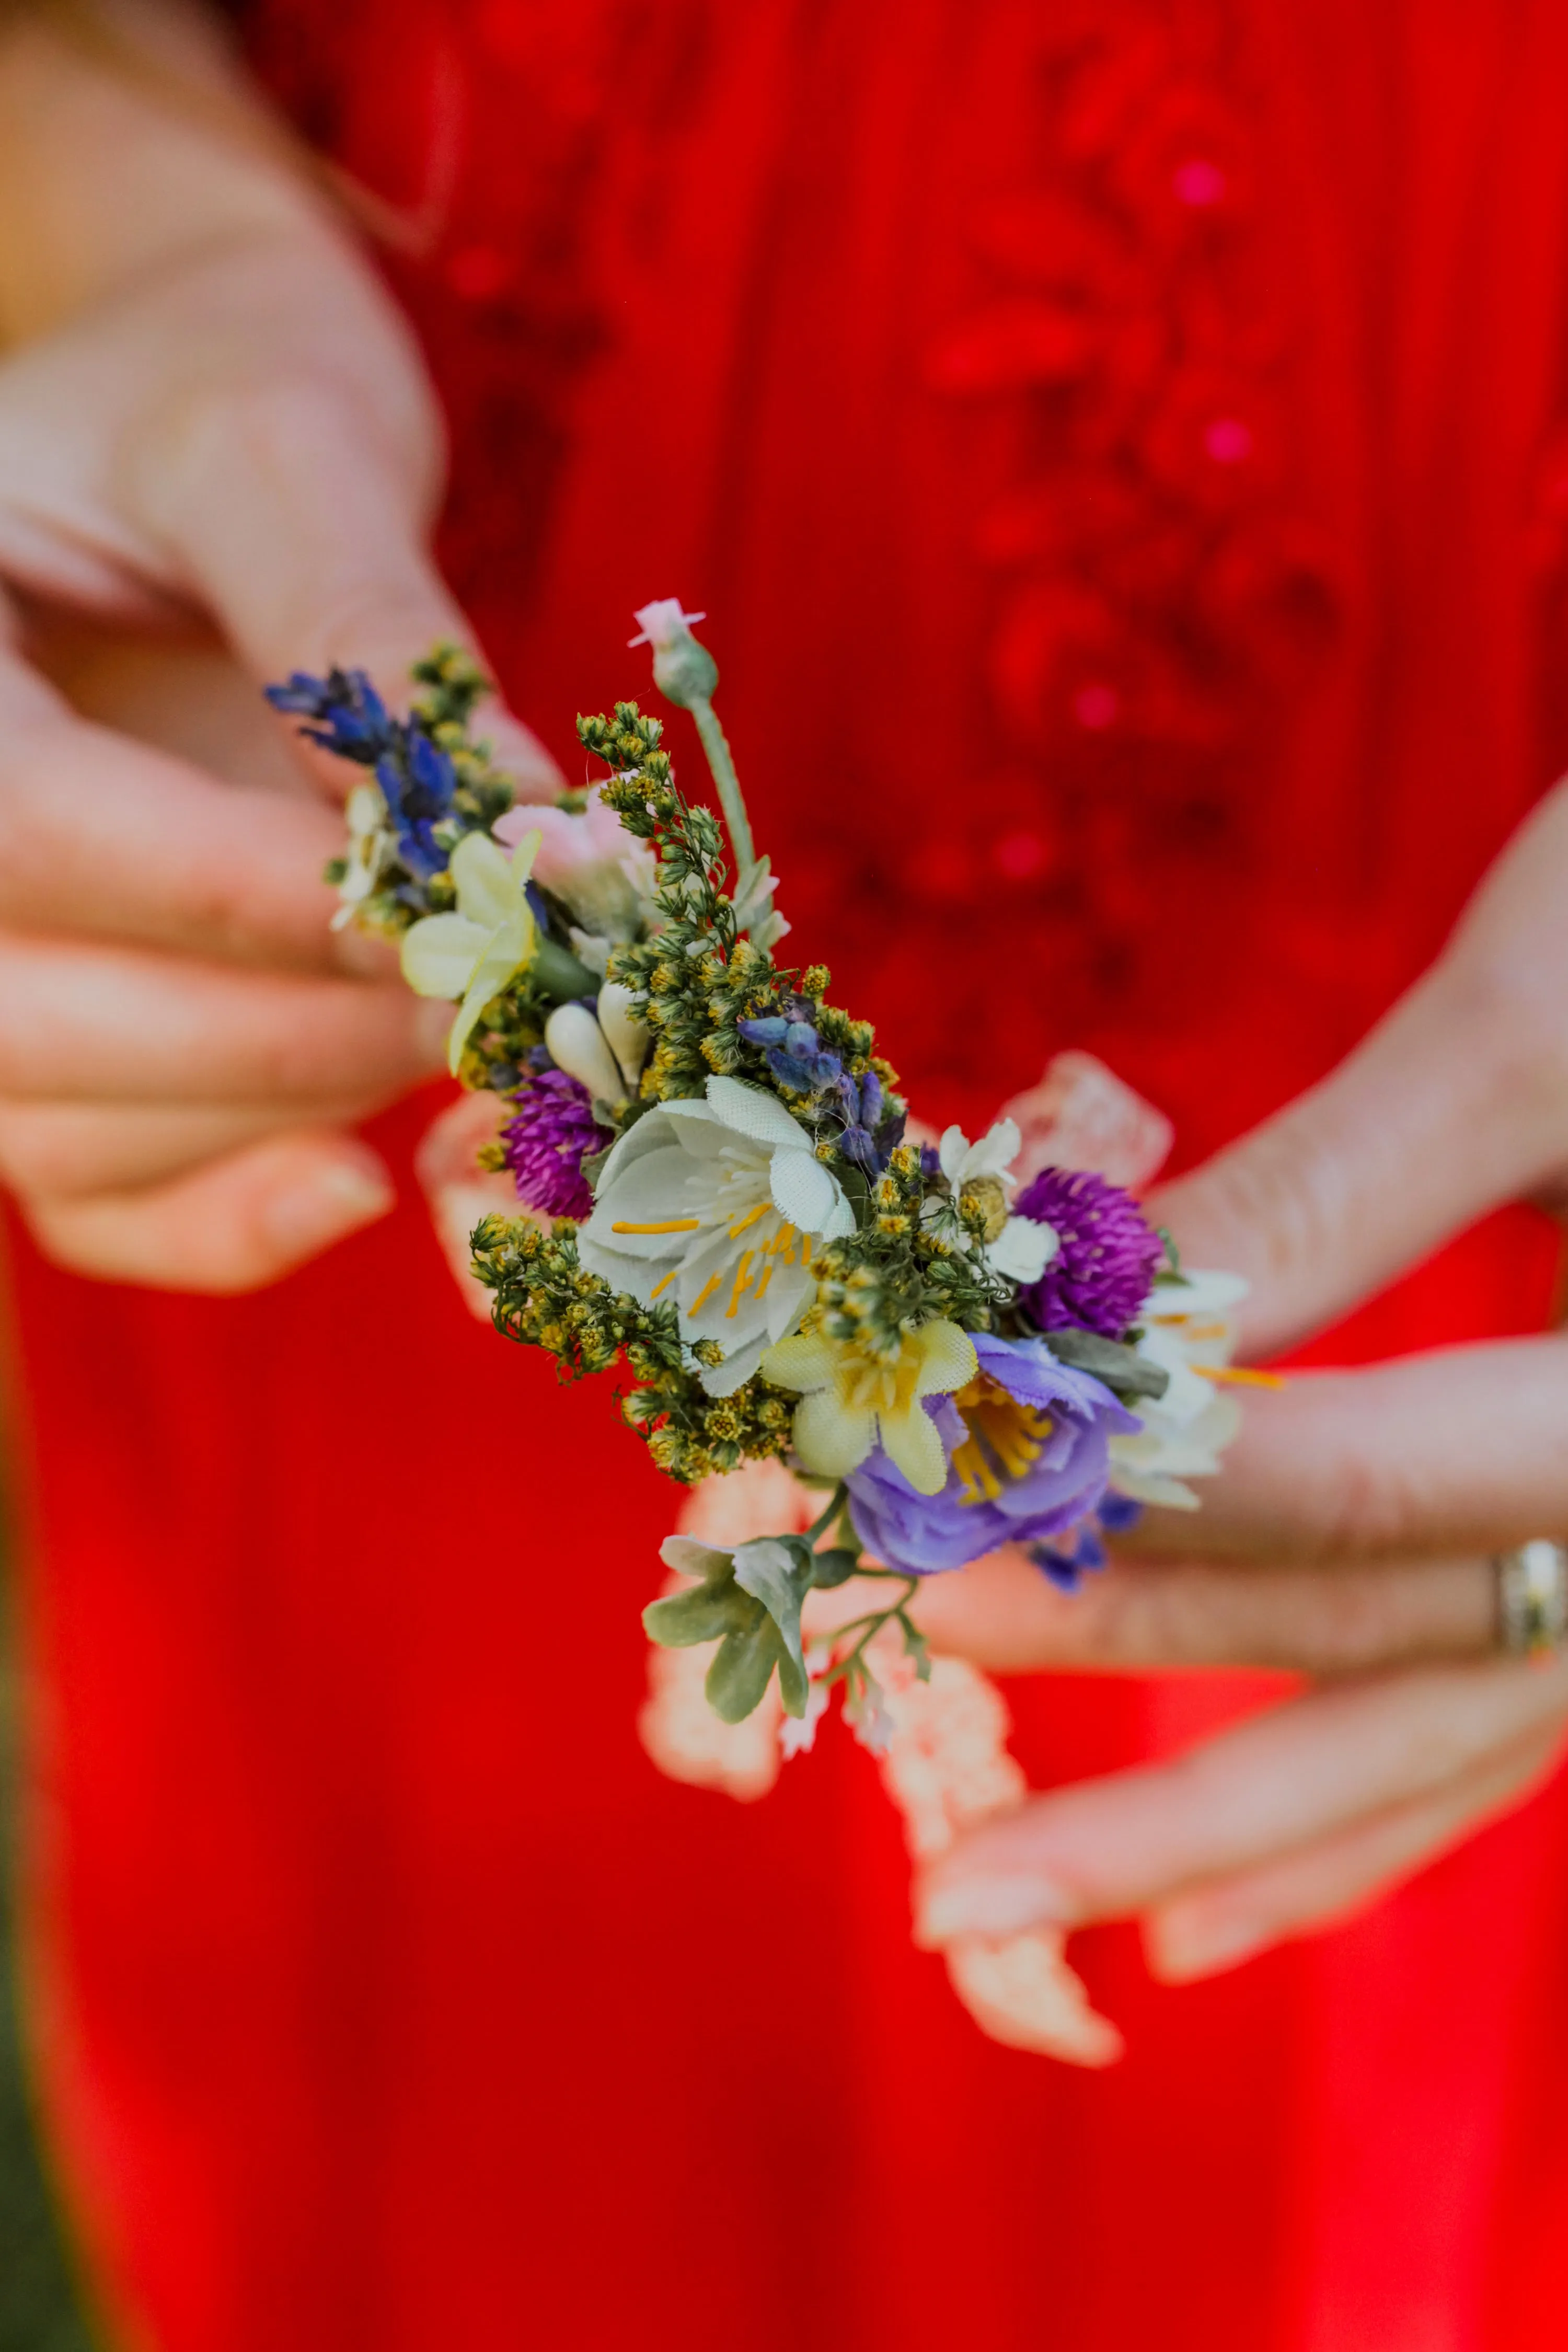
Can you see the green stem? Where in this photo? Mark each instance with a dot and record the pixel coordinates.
(836, 1504)
(873, 1624)
(728, 783)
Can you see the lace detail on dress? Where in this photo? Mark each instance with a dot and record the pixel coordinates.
(1152, 591)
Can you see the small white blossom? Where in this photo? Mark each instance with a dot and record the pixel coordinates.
(371, 845)
(1022, 1248)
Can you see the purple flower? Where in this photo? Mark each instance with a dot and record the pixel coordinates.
(417, 778)
(545, 1144)
(1101, 1275)
(1026, 1453)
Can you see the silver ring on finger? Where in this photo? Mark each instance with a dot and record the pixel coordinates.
(1532, 1597)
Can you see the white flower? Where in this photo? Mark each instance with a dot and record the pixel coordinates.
(1019, 1249)
(962, 1161)
(576, 1043)
(715, 1206)
(868, 1716)
(473, 954)
(662, 623)
(370, 847)
(626, 1037)
(797, 1733)
(1189, 1331)
(1022, 1250)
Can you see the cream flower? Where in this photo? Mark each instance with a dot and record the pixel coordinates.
(370, 848)
(852, 1398)
(1189, 1331)
(474, 952)
(1017, 1248)
(715, 1206)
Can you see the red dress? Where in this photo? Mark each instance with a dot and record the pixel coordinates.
(1117, 444)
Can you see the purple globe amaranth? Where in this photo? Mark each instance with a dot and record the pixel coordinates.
(1099, 1276)
(546, 1142)
(1026, 1448)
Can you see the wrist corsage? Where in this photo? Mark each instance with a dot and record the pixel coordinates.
(723, 1198)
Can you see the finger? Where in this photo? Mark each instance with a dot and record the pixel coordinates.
(106, 837)
(1002, 1614)
(119, 1026)
(1453, 1105)
(300, 518)
(1108, 1848)
(68, 1152)
(1458, 1451)
(458, 1192)
(231, 1227)
(1226, 1923)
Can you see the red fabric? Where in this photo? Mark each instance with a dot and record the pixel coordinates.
(1119, 446)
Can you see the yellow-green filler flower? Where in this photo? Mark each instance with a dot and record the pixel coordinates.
(473, 954)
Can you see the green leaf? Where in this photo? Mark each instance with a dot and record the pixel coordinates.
(1129, 1374)
(774, 1571)
(915, 1648)
(794, 1684)
(830, 1569)
(556, 972)
(743, 1668)
(702, 1614)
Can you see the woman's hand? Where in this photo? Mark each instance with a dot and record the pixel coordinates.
(1350, 1537)
(211, 420)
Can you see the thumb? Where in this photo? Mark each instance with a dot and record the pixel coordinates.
(299, 519)
(233, 1224)
(1438, 1116)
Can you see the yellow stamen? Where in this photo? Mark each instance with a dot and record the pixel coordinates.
(673, 1225)
(750, 1219)
(1241, 1374)
(981, 1484)
(1003, 1435)
(664, 1285)
(760, 1290)
(705, 1294)
(740, 1272)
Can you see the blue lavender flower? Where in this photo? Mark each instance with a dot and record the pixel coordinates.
(545, 1144)
(798, 1059)
(417, 782)
(417, 778)
(1027, 1451)
(1101, 1275)
(1065, 1563)
(350, 718)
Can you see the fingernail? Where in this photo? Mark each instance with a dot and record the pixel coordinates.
(432, 1027)
(341, 1194)
(1183, 1948)
(990, 1907)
